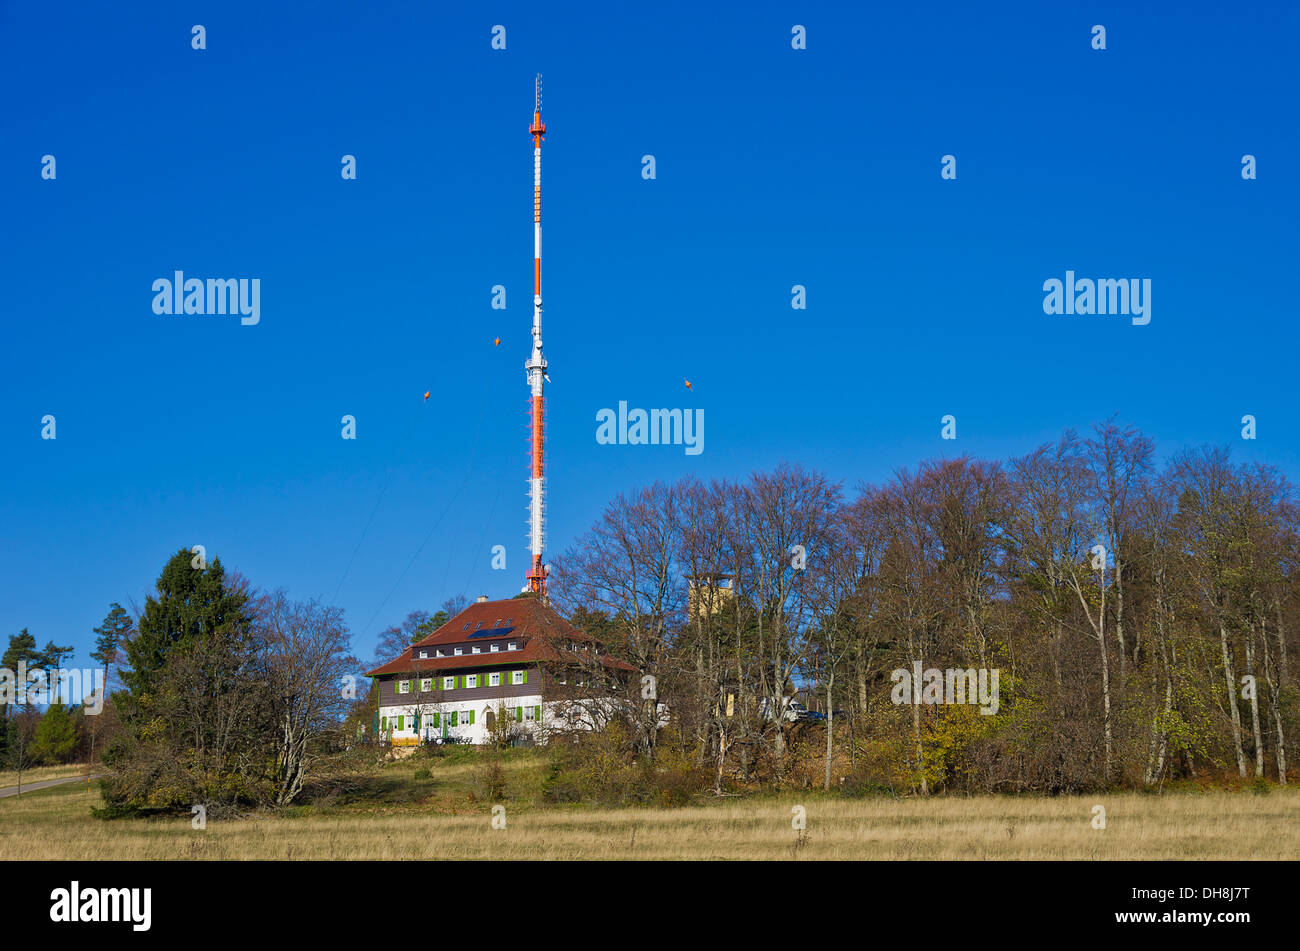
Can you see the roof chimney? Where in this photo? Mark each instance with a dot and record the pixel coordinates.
(481, 598)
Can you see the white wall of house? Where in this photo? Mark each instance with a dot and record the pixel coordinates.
(400, 719)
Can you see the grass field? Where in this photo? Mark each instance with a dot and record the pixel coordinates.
(395, 816)
(37, 774)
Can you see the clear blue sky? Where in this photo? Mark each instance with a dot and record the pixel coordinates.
(775, 167)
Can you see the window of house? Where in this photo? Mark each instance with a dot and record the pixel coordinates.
(494, 648)
(459, 651)
(498, 623)
(517, 676)
(441, 654)
(561, 677)
(424, 654)
(512, 646)
(528, 713)
(426, 685)
(403, 686)
(478, 625)
(494, 680)
(466, 627)
(471, 680)
(448, 683)
(477, 650)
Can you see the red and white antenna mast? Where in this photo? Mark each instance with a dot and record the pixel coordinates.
(536, 366)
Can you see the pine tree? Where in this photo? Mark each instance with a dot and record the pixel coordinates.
(111, 635)
(22, 647)
(190, 604)
(56, 736)
(51, 655)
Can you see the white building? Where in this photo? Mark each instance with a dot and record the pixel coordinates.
(516, 659)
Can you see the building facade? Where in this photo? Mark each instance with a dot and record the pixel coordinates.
(514, 668)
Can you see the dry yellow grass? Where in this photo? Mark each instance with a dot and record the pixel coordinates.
(56, 824)
(37, 774)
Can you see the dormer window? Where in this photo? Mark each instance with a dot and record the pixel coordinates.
(466, 627)
(478, 625)
(498, 623)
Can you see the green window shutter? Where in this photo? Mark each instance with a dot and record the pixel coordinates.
(401, 723)
(519, 714)
(538, 710)
(455, 718)
(436, 718)
(471, 717)
(525, 676)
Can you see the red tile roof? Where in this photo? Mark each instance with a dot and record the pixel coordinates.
(536, 625)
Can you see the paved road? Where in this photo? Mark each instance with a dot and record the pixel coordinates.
(32, 787)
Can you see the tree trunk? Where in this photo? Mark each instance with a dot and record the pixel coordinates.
(1229, 675)
(830, 719)
(1254, 702)
(1105, 700)
(1119, 626)
(1274, 699)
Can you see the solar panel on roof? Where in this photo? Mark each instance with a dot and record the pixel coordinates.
(493, 632)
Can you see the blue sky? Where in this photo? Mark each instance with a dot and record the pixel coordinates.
(774, 167)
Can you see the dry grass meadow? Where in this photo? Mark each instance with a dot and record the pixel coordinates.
(37, 774)
(436, 818)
